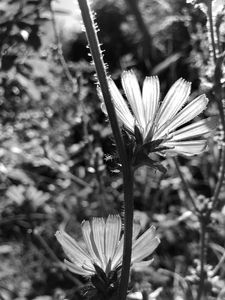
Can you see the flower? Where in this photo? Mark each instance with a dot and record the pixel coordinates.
(160, 124)
(104, 246)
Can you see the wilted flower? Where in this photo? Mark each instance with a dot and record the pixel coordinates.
(159, 125)
(104, 246)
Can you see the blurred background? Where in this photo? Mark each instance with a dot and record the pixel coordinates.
(58, 161)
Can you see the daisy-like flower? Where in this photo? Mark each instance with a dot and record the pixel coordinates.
(161, 124)
(104, 246)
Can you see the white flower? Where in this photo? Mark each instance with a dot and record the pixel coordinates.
(104, 246)
(163, 121)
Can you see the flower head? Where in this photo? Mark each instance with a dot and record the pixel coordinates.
(104, 246)
(161, 124)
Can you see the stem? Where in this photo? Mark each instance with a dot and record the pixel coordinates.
(219, 265)
(212, 31)
(145, 295)
(150, 53)
(221, 178)
(126, 165)
(202, 258)
(128, 232)
(219, 93)
(185, 184)
(59, 50)
(102, 77)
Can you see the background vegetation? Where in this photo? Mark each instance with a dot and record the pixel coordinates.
(58, 162)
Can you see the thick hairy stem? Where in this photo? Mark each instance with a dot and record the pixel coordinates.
(201, 293)
(126, 165)
(128, 232)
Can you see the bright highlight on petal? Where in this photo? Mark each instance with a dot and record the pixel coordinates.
(199, 128)
(133, 93)
(174, 100)
(104, 246)
(163, 125)
(121, 107)
(187, 148)
(150, 94)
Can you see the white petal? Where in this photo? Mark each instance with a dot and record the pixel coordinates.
(71, 248)
(77, 269)
(144, 245)
(174, 100)
(117, 259)
(133, 93)
(112, 235)
(143, 264)
(86, 231)
(98, 230)
(150, 95)
(136, 229)
(188, 113)
(199, 128)
(121, 107)
(144, 249)
(187, 148)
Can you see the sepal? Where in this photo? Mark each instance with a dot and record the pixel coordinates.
(142, 159)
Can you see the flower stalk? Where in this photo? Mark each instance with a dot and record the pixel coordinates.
(202, 258)
(126, 165)
(219, 95)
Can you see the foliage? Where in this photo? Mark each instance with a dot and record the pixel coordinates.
(58, 162)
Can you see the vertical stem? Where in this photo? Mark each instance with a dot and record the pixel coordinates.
(128, 231)
(212, 31)
(126, 164)
(185, 184)
(202, 259)
(101, 73)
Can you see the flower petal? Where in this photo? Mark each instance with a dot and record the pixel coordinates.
(199, 128)
(112, 235)
(132, 90)
(71, 247)
(150, 95)
(86, 231)
(121, 106)
(187, 148)
(77, 269)
(136, 229)
(98, 232)
(174, 100)
(117, 259)
(144, 248)
(144, 245)
(188, 113)
(143, 264)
